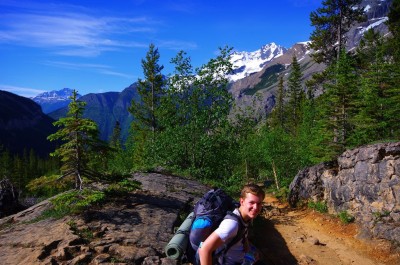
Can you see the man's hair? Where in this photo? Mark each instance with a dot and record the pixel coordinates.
(253, 189)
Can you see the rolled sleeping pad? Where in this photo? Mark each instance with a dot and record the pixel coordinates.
(178, 243)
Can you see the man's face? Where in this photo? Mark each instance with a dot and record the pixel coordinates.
(250, 206)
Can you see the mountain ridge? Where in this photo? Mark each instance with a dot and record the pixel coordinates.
(23, 125)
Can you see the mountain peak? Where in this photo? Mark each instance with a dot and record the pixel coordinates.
(55, 99)
(247, 63)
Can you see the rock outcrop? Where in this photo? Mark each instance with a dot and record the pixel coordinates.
(364, 182)
(129, 230)
(9, 203)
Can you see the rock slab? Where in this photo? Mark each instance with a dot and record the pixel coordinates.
(129, 230)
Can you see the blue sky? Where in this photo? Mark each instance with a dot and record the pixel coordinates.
(97, 46)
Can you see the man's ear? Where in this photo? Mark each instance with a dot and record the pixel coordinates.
(241, 200)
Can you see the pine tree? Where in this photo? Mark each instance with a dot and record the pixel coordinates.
(369, 120)
(80, 142)
(147, 111)
(332, 21)
(339, 102)
(277, 116)
(295, 95)
(115, 141)
(392, 91)
(394, 27)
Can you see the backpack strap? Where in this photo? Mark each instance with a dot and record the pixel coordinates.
(241, 234)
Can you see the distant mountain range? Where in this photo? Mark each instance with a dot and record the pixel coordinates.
(106, 109)
(259, 88)
(254, 81)
(53, 100)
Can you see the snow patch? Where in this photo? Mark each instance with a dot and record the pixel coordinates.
(373, 25)
(247, 63)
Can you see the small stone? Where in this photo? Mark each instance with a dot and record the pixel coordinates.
(314, 241)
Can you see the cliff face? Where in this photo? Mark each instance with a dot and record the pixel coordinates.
(365, 182)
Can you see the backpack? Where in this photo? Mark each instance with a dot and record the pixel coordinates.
(209, 211)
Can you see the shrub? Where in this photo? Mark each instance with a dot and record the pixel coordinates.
(47, 186)
(122, 187)
(345, 217)
(73, 202)
(319, 206)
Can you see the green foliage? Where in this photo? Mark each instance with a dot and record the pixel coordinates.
(122, 187)
(282, 194)
(47, 186)
(73, 202)
(345, 217)
(81, 152)
(295, 96)
(277, 118)
(379, 215)
(196, 137)
(147, 111)
(280, 153)
(319, 206)
(331, 22)
(85, 234)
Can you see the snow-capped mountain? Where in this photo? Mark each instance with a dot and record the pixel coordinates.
(53, 100)
(376, 12)
(247, 63)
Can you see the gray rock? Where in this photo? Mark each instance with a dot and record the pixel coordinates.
(129, 230)
(364, 182)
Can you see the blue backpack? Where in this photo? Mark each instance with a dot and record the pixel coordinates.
(209, 212)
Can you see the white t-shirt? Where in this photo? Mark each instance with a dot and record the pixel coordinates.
(227, 230)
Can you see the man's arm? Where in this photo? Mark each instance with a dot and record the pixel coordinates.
(208, 247)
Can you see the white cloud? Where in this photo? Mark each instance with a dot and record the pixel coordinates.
(176, 45)
(98, 68)
(68, 32)
(22, 91)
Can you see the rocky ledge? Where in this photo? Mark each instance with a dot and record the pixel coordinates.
(363, 183)
(129, 230)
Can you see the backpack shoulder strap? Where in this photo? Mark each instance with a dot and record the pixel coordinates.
(242, 231)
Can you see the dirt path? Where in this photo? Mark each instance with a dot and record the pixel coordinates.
(307, 237)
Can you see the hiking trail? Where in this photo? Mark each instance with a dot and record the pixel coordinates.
(304, 236)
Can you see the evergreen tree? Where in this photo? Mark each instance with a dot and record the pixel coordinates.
(295, 95)
(115, 141)
(332, 21)
(277, 116)
(369, 120)
(392, 91)
(80, 142)
(147, 110)
(5, 163)
(394, 27)
(337, 108)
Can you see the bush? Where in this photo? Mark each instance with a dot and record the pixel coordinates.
(122, 187)
(345, 217)
(319, 206)
(73, 202)
(48, 186)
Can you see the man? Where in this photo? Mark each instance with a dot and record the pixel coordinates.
(251, 198)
